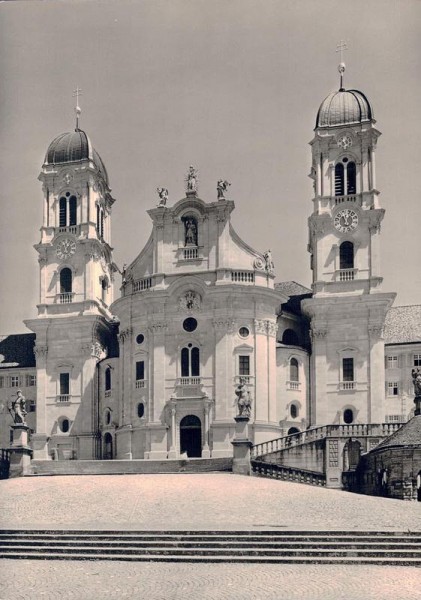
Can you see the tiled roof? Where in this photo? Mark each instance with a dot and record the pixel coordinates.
(408, 435)
(291, 288)
(17, 350)
(403, 325)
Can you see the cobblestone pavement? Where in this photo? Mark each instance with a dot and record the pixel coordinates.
(52, 580)
(201, 501)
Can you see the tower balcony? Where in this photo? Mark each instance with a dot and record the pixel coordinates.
(65, 298)
(345, 274)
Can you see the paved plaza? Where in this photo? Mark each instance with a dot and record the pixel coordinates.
(212, 502)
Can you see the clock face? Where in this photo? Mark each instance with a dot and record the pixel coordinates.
(66, 248)
(345, 220)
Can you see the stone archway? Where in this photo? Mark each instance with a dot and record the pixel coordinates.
(191, 436)
(107, 446)
(351, 455)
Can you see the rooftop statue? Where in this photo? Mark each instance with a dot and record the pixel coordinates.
(221, 188)
(191, 180)
(163, 196)
(269, 266)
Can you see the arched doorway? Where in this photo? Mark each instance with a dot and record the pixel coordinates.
(191, 436)
(107, 449)
(351, 455)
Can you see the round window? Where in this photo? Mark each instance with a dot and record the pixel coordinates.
(140, 410)
(189, 324)
(65, 425)
(244, 332)
(140, 338)
(345, 160)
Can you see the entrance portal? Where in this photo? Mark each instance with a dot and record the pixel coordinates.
(191, 436)
(107, 450)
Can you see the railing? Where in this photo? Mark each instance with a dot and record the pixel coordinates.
(288, 473)
(242, 276)
(63, 398)
(325, 431)
(346, 274)
(140, 383)
(347, 385)
(4, 463)
(190, 381)
(142, 284)
(293, 385)
(69, 229)
(66, 298)
(341, 199)
(248, 379)
(190, 253)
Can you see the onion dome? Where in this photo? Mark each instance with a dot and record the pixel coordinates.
(345, 107)
(74, 146)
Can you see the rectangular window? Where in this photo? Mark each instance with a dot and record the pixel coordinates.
(244, 365)
(14, 381)
(392, 362)
(417, 360)
(32, 406)
(140, 370)
(392, 388)
(347, 369)
(64, 384)
(31, 380)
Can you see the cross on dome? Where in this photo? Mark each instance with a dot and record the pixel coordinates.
(78, 110)
(341, 67)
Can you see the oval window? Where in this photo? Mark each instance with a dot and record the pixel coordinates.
(65, 425)
(140, 338)
(189, 324)
(140, 410)
(293, 411)
(244, 332)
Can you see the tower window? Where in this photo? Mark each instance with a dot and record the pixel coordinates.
(244, 365)
(293, 370)
(190, 361)
(140, 370)
(64, 384)
(72, 210)
(107, 379)
(339, 180)
(347, 369)
(351, 173)
(65, 281)
(346, 255)
(63, 212)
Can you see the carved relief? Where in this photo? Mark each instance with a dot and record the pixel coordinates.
(190, 301)
(333, 453)
(224, 324)
(272, 328)
(40, 351)
(318, 332)
(259, 264)
(260, 326)
(158, 327)
(125, 334)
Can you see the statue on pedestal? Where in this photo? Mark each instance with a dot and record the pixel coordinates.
(243, 399)
(221, 188)
(416, 380)
(191, 180)
(190, 232)
(163, 196)
(18, 411)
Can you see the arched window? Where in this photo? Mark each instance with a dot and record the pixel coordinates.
(140, 410)
(64, 425)
(190, 361)
(108, 379)
(97, 218)
(293, 370)
(348, 416)
(102, 224)
(339, 180)
(65, 281)
(104, 287)
(290, 338)
(346, 255)
(293, 411)
(72, 210)
(351, 173)
(63, 212)
(293, 430)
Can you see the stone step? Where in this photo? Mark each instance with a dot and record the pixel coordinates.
(126, 467)
(216, 546)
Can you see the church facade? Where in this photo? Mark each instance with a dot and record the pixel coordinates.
(199, 320)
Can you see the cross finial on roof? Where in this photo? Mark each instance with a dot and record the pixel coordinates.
(341, 68)
(76, 94)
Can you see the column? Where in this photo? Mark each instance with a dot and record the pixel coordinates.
(206, 449)
(40, 439)
(173, 409)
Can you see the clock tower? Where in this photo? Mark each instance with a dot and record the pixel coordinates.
(76, 271)
(348, 308)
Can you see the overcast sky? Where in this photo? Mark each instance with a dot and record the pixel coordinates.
(230, 86)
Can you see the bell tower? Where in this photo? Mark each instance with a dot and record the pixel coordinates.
(348, 309)
(76, 274)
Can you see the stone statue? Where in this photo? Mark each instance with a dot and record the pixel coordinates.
(416, 380)
(269, 266)
(192, 180)
(19, 408)
(243, 399)
(191, 232)
(163, 196)
(221, 188)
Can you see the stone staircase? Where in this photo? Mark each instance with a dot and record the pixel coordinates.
(125, 467)
(322, 547)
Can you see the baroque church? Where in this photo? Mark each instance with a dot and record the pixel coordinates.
(153, 374)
